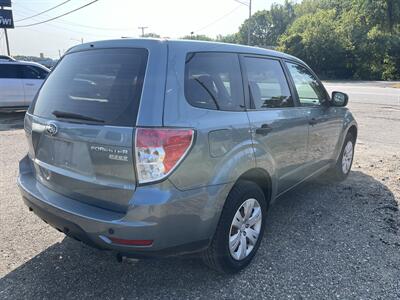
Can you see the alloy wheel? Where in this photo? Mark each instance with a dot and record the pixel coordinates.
(245, 229)
(347, 157)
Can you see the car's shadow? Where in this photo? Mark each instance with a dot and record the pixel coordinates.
(322, 240)
(11, 120)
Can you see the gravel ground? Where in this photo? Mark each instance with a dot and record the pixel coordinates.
(323, 240)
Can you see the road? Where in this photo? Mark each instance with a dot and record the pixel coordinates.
(323, 240)
(377, 107)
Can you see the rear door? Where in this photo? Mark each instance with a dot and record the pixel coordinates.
(11, 88)
(32, 79)
(279, 128)
(325, 122)
(82, 126)
(212, 101)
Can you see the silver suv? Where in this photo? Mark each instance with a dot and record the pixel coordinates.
(19, 82)
(155, 147)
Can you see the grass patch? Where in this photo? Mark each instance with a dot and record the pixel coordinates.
(396, 85)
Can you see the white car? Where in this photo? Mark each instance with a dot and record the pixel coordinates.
(19, 82)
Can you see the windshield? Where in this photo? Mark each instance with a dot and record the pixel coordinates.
(103, 84)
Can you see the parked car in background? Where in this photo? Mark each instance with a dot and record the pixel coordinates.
(19, 82)
(6, 57)
(154, 147)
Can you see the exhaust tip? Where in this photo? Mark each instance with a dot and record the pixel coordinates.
(120, 257)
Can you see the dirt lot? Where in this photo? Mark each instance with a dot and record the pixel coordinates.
(322, 240)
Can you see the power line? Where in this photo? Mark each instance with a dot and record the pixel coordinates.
(241, 2)
(72, 31)
(248, 4)
(63, 28)
(67, 13)
(217, 20)
(76, 24)
(43, 12)
(92, 27)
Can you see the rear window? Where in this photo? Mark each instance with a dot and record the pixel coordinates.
(103, 84)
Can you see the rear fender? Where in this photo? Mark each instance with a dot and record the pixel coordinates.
(266, 162)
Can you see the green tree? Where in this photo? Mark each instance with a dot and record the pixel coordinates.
(341, 38)
(372, 39)
(152, 35)
(337, 38)
(199, 37)
(384, 13)
(230, 38)
(315, 39)
(307, 7)
(281, 16)
(267, 26)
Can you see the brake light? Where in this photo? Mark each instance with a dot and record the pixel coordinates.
(159, 150)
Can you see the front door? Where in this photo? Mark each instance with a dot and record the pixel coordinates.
(325, 121)
(279, 128)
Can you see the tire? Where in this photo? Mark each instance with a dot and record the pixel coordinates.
(339, 172)
(218, 256)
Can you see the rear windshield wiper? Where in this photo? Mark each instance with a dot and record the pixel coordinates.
(70, 115)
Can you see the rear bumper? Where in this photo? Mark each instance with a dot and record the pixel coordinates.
(176, 221)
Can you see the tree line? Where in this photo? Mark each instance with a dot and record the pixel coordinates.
(341, 39)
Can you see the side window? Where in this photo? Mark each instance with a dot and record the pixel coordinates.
(214, 81)
(267, 84)
(9, 71)
(32, 72)
(42, 73)
(310, 91)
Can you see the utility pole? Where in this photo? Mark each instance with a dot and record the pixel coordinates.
(143, 28)
(7, 43)
(249, 24)
(249, 29)
(80, 40)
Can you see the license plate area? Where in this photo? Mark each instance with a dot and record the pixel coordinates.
(63, 153)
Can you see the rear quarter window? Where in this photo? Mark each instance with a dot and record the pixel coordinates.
(104, 84)
(213, 81)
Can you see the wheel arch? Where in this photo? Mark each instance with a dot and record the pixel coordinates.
(260, 177)
(353, 130)
(351, 127)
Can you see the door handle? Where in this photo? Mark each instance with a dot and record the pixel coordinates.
(29, 84)
(313, 121)
(264, 129)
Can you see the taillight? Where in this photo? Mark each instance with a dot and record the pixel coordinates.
(159, 150)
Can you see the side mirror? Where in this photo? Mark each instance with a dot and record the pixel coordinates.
(339, 99)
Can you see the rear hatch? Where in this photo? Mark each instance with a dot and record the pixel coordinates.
(81, 126)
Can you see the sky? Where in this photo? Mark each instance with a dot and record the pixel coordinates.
(107, 19)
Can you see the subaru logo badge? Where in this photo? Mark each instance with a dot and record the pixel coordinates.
(51, 128)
